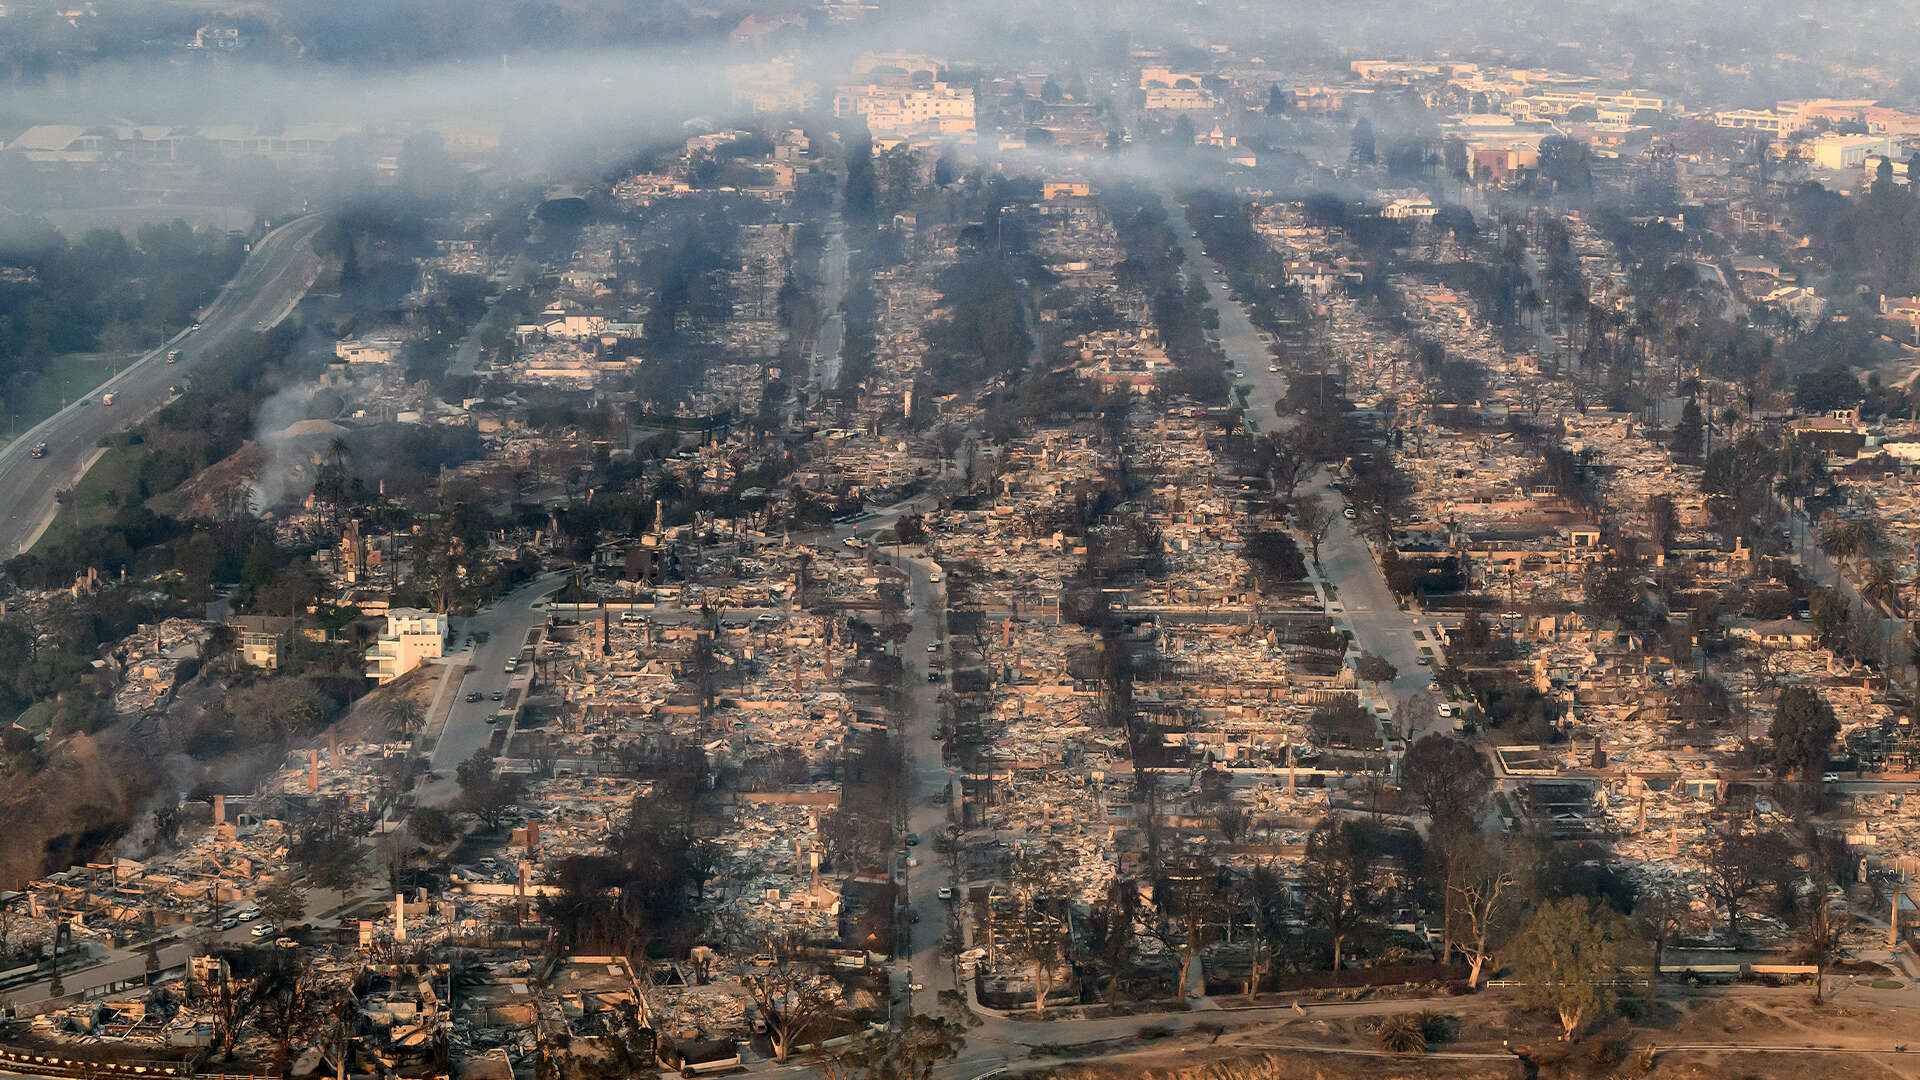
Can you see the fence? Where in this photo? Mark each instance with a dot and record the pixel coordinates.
(28, 1063)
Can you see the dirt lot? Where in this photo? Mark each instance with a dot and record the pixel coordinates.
(1857, 1030)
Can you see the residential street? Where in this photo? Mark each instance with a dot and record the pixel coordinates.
(1360, 600)
(505, 625)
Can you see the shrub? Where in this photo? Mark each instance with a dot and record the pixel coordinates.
(1403, 1034)
(1438, 1027)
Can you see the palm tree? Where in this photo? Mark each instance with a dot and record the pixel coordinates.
(1882, 585)
(404, 715)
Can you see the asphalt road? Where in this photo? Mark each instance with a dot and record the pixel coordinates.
(266, 288)
(1360, 601)
(465, 730)
(830, 340)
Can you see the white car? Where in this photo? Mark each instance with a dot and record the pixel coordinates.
(265, 929)
(1273, 368)
(1830, 778)
(946, 892)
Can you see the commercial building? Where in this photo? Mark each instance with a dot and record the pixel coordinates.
(1847, 151)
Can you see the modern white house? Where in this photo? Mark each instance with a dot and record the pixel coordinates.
(412, 636)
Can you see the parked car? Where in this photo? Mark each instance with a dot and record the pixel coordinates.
(946, 892)
(499, 695)
(265, 929)
(173, 355)
(473, 696)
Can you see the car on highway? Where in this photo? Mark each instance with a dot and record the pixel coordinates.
(195, 326)
(106, 399)
(473, 696)
(173, 355)
(39, 450)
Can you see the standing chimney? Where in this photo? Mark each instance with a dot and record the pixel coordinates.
(219, 809)
(399, 916)
(313, 771)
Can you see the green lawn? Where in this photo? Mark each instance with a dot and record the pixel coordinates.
(68, 378)
(87, 505)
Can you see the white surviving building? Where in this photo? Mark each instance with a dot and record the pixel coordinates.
(412, 637)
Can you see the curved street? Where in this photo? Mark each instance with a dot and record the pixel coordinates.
(268, 285)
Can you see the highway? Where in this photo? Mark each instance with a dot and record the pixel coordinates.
(265, 290)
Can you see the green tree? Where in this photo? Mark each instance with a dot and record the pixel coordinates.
(404, 715)
(484, 793)
(1803, 733)
(1690, 435)
(1448, 778)
(1364, 151)
(1372, 667)
(1567, 957)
